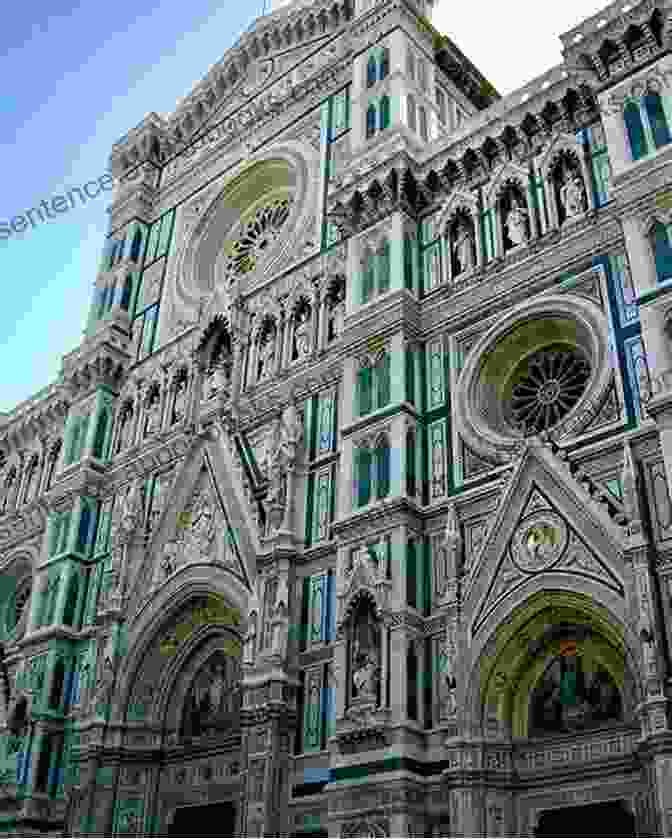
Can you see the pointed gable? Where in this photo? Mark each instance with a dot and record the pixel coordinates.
(546, 525)
(204, 521)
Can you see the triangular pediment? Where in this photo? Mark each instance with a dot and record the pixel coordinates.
(546, 527)
(204, 521)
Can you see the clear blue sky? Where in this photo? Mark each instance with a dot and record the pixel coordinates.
(77, 77)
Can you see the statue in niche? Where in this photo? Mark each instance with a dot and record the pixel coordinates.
(280, 620)
(131, 513)
(365, 656)
(464, 248)
(302, 335)
(123, 441)
(517, 223)
(267, 356)
(158, 503)
(153, 415)
(180, 405)
(202, 533)
(283, 441)
(103, 690)
(448, 683)
(572, 194)
(169, 559)
(365, 677)
(313, 721)
(337, 315)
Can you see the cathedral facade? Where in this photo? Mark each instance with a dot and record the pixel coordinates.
(350, 515)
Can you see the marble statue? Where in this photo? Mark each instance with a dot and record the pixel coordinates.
(573, 195)
(464, 249)
(302, 335)
(517, 224)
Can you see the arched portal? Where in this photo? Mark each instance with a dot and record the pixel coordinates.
(560, 668)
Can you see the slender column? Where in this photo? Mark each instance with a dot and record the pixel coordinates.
(478, 233)
(165, 397)
(315, 322)
(383, 669)
(499, 230)
(138, 414)
(22, 477)
(253, 360)
(534, 223)
(554, 221)
(240, 348)
(278, 344)
(447, 251)
(287, 342)
(322, 324)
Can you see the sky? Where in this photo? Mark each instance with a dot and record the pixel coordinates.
(77, 78)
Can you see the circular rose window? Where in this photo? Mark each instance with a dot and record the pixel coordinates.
(257, 236)
(545, 387)
(542, 367)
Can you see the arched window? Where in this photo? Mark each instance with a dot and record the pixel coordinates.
(120, 253)
(371, 71)
(69, 613)
(113, 255)
(369, 278)
(424, 130)
(127, 293)
(85, 522)
(412, 113)
(382, 462)
(412, 677)
(365, 391)
(76, 440)
(101, 435)
(653, 107)
(384, 113)
(410, 463)
(384, 267)
(136, 245)
(635, 129)
(662, 248)
(363, 475)
(57, 682)
(408, 262)
(383, 380)
(411, 574)
(384, 63)
(370, 121)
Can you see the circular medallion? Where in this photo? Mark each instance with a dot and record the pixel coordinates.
(539, 541)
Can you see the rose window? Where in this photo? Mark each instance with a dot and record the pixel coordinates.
(258, 235)
(545, 387)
